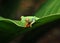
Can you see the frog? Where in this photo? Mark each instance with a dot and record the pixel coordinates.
(29, 20)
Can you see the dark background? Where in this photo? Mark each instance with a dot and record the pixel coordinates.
(13, 9)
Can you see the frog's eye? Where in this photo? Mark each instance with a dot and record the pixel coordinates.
(22, 16)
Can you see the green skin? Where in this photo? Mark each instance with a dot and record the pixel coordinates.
(32, 19)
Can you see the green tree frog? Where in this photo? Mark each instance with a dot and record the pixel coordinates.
(28, 20)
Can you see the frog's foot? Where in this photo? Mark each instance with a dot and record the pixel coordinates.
(27, 25)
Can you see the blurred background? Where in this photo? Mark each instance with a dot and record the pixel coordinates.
(13, 9)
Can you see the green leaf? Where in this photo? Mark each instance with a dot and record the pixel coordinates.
(49, 11)
(16, 22)
(9, 29)
(51, 7)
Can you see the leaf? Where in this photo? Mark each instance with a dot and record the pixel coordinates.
(16, 22)
(49, 12)
(51, 7)
(9, 29)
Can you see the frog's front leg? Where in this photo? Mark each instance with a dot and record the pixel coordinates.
(32, 23)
